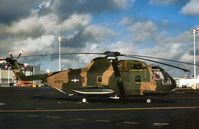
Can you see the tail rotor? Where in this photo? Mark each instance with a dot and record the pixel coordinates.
(11, 61)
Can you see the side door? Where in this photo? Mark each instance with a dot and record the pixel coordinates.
(136, 79)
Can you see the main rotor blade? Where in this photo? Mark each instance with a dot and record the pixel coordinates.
(56, 54)
(107, 53)
(185, 70)
(152, 57)
(115, 53)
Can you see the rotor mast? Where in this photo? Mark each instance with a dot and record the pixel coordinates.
(112, 56)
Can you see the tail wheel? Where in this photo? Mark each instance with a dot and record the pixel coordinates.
(148, 100)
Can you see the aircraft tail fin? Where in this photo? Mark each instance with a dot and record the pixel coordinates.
(19, 73)
(17, 68)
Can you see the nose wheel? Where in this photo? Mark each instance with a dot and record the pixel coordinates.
(84, 100)
(148, 100)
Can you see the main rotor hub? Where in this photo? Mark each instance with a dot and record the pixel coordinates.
(112, 55)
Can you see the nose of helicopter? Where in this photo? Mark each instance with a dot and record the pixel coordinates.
(166, 85)
(171, 85)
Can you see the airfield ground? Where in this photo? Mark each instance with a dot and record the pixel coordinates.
(45, 108)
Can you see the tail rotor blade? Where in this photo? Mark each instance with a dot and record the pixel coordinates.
(10, 53)
(20, 54)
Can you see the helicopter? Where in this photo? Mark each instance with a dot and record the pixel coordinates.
(106, 76)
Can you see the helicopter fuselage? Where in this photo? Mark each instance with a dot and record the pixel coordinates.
(98, 78)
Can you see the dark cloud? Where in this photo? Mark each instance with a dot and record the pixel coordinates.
(12, 10)
(76, 40)
(5, 48)
(66, 8)
(90, 34)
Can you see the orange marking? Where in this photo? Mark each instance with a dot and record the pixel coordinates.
(106, 75)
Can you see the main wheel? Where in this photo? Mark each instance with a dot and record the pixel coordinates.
(148, 100)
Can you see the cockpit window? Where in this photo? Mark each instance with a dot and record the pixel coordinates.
(157, 75)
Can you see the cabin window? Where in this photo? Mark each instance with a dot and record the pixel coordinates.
(99, 79)
(138, 78)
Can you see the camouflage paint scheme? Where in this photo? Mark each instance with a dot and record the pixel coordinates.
(137, 78)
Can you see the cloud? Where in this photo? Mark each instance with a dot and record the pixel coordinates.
(52, 24)
(179, 48)
(124, 47)
(38, 35)
(188, 56)
(161, 50)
(126, 21)
(28, 27)
(176, 45)
(66, 8)
(91, 34)
(191, 8)
(30, 22)
(14, 10)
(32, 29)
(35, 26)
(145, 38)
(5, 48)
(98, 33)
(43, 44)
(37, 29)
(142, 30)
(162, 2)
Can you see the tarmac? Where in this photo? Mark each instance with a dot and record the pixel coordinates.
(46, 108)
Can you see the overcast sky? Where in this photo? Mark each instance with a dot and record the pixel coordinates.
(161, 28)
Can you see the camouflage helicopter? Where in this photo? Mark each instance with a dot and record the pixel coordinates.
(106, 76)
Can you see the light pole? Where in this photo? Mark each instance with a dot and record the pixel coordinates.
(8, 76)
(59, 39)
(195, 30)
(0, 77)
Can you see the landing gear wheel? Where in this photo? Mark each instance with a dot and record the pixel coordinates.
(148, 100)
(84, 100)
